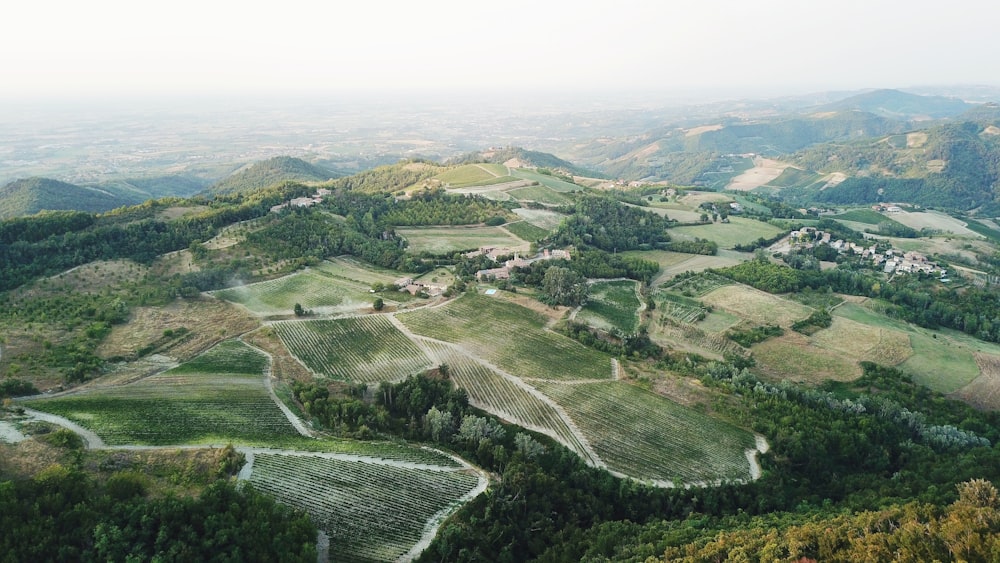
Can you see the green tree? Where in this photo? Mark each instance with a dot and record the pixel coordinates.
(299, 311)
(378, 304)
(563, 286)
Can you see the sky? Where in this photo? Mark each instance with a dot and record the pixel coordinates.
(53, 49)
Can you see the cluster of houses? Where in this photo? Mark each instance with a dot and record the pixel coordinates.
(303, 201)
(891, 261)
(503, 272)
(414, 287)
(887, 208)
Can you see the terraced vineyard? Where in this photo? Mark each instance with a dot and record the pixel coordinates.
(310, 289)
(364, 349)
(612, 305)
(499, 395)
(509, 336)
(204, 401)
(370, 511)
(645, 436)
(680, 309)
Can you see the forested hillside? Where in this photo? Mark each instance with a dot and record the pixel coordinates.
(269, 172)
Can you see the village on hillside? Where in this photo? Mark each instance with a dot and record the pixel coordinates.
(889, 260)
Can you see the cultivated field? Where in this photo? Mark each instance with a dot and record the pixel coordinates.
(984, 391)
(940, 363)
(549, 220)
(363, 349)
(509, 336)
(207, 321)
(612, 305)
(792, 357)
(351, 269)
(540, 194)
(645, 436)
(443, 240)
(697, 263)
(217, 398)
(546, 180)
(727, 235)
(765, 170)
(371, 510)
(509, 399)
(311, 289)
(526, 231)
(755, 306)
(863, 342)
(935, 221)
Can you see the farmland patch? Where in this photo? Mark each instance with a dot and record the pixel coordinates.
(443, 240)
(362, 349)
(612, 305)
(755, 306)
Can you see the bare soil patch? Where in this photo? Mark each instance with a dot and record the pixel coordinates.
(984, 391)
(935, 221)
(833, 179)
(207, 320)
(916, 140)
(703, 129)
(284, 366)
(764, 171)
(992, 130)
(755, 306)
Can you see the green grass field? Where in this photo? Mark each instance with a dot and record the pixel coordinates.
(540, 194)
(351, 269)
(311, 289)
(793, 177)
(612, 306)
(509, 336)
(527, 231)
(546, 180)
(371, 511)
(727, 235)
(549, 220)
(363, 349)
(646, 436)
(444, 240)
(208, 400)
(864, 215)
(475, 175)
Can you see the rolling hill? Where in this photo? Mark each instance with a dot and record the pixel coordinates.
(269, 172)
(896, 104)
(523, 158)
(31, 195)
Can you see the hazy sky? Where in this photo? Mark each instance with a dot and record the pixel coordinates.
(124, 48)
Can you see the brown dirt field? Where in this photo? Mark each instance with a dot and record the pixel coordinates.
(916, 140)
(936, 165)
(693, 199)
(25, 459)
(764, 171)
(833, 179)
(208, 320)
(864, 343)
(792, 357)
(992, 130)
(755, 306)
(284, 367)
(703, 129)
(984, 391)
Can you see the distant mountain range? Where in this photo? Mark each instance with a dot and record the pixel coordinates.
(30, 195)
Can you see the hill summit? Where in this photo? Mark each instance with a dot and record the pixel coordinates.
(897, 104)
(269, 172)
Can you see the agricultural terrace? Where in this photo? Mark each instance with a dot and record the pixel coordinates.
(216, 398)
(698, 286)
(313, 290)
(445, 240)
(679, 308)
(648, 437)
(365, 349)
(738, 230)
(506, 397)
(509, 336)
(756, 307)
(544, 179)
(549, 220)
(371, 510)
(612, 305)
